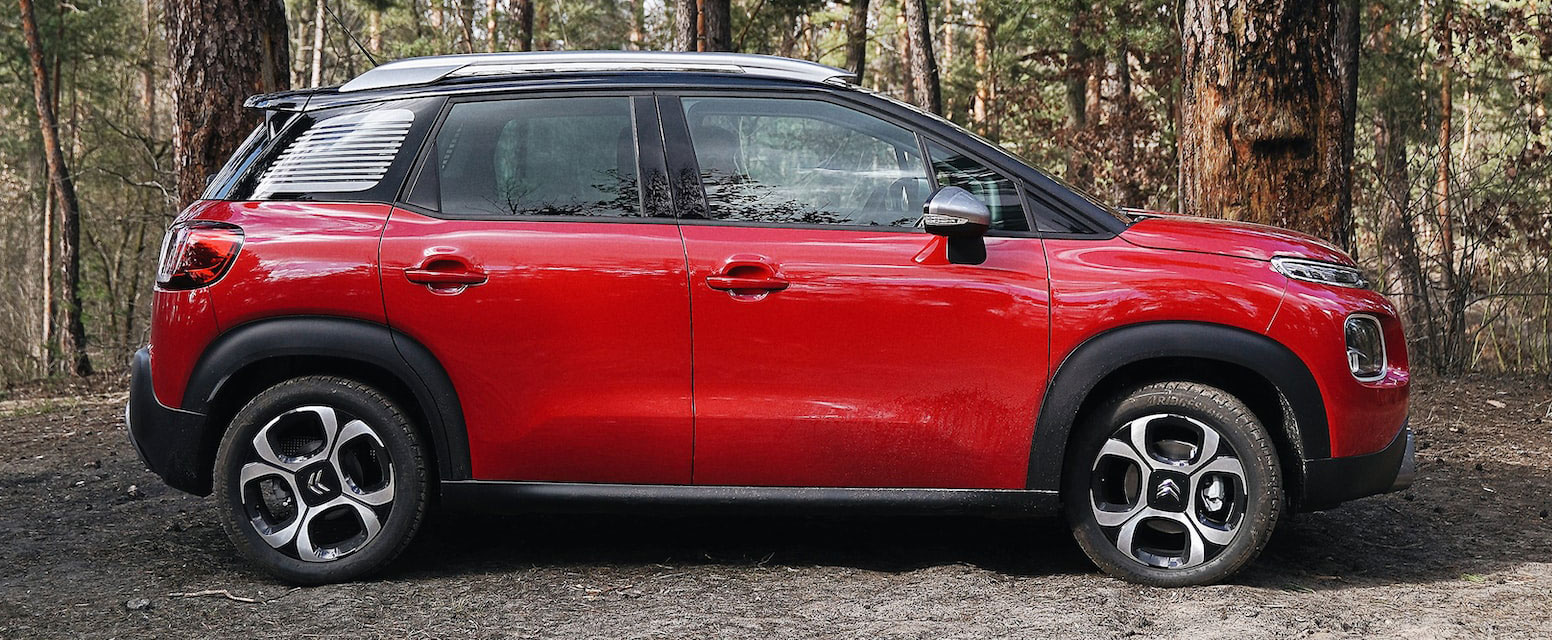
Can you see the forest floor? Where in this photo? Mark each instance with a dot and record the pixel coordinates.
(92, 545)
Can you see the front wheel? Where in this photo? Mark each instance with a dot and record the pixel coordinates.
(1174, 484)
(321, 479)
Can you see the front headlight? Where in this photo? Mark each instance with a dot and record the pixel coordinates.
(1365, 347)
(1321, 272)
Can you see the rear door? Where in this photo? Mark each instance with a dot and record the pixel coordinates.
(551, 288)
(834, 343)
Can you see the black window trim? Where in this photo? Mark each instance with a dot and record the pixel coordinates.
(631, 94)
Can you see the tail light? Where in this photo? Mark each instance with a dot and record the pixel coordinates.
(195, 254)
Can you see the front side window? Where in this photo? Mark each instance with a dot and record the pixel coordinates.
(999, 194)
(796, 161)
(535, 157)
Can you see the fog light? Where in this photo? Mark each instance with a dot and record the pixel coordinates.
(1365, 347)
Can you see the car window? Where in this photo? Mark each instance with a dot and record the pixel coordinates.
(999, 194)
(797, 161)
(538, 157)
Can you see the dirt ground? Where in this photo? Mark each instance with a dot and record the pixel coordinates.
(92, 545)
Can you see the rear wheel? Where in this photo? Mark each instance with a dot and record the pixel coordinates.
(321, 480)
(1174, 484)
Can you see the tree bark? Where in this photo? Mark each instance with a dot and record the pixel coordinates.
(1076, 91)
(1345, 46)
(686, 19)
(222, 51)
(924, 67)
(981, 112)
(638, 33)
(73, 340)
(1261, 121)
(857, 38)
(525, 22)
(490, 26)
(374, 28)
(319, 31)
(718, 16)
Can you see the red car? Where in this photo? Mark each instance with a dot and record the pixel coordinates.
(589, 279)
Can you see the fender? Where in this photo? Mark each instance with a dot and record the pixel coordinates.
(1106, 353)
(374, 344)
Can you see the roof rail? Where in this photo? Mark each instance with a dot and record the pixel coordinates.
(428, 70)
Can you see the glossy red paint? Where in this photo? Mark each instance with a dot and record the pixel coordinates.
(568, 342)
(845, 361)
(1223, 237)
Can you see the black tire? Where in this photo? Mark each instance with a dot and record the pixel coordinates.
(333, 487)
(1241, 511)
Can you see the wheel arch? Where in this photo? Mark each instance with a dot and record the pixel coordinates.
(254, 356)
(1264, 374)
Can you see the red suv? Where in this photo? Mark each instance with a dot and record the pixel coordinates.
(588, 279)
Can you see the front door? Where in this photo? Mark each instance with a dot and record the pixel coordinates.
(834, 343)
(549, 288)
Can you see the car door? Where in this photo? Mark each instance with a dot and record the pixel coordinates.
(529, 261)
(834, 343)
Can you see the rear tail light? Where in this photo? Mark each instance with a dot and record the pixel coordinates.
(195, 254)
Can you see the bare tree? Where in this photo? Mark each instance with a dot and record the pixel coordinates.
(686, 25)
(857, 38)
(63, 185)
(525, 22)
(1261, 119)
(924, 67)
(717, 18)
(222, 51)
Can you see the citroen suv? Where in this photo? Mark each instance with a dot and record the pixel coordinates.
(603, 279)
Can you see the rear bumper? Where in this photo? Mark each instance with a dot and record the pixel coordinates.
(1332, 481)
(169, 441)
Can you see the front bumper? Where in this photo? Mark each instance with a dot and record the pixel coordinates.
(1332, 481)
(171, 442)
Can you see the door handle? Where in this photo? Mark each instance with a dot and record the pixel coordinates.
(746, 273)
(443, 271)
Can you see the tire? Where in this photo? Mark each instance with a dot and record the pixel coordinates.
(321, 480)
(1174, 484)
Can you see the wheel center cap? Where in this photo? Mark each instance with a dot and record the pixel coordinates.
(1168, 491)
(318, 484)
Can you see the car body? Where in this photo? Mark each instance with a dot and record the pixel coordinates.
(603, 279)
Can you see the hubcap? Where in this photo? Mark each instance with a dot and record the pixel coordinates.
(1168, 491)
(314, 488)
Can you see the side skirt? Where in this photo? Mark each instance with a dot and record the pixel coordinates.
(567, 497)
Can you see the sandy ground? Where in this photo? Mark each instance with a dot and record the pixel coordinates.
(92, 545)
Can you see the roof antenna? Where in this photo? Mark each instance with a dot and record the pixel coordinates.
(352, 36)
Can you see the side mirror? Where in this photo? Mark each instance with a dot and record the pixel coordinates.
(952, 212)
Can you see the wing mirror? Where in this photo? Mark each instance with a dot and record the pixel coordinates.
(952, 212)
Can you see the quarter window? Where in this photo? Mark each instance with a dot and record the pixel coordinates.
(795, 161)
(535, 157)
(999, 194)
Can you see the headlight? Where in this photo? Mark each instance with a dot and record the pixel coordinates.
(1365, 347)
(1321, 272)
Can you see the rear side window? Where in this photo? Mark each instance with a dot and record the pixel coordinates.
(797, 161)
(534, 157)
(359, 153)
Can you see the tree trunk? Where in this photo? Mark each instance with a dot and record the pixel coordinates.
(46, 314)
(857, 38)
(981, 107)
(525, 21)
(73, 341)
(1261, 119)
(638, 33)
(902, 63)
(222, 51)
(924, 67)
(1125, 114)
(686, 17)
(374, 29)
(466, 22)
(718, 17)
(1076, 91)
(319, 31)
(1452, 338)
(490, 26)
(1345, 46)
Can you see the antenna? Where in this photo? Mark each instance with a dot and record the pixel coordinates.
(346, 29)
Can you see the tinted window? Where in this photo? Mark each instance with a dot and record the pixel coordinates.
(804, 162)
(1001, 195)
(537, 157)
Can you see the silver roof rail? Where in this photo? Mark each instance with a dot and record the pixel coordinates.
(420, 71)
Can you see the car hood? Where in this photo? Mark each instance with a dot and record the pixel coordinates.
(1228, 238)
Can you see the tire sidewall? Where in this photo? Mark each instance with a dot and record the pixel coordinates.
(399, 439)
(1234, 423)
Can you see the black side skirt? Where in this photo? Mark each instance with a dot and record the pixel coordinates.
(489, 496)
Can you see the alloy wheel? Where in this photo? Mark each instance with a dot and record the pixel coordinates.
(1168, 491)
(318, 483)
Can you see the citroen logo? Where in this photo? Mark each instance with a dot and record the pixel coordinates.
(316, 485)
(1167, 490)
